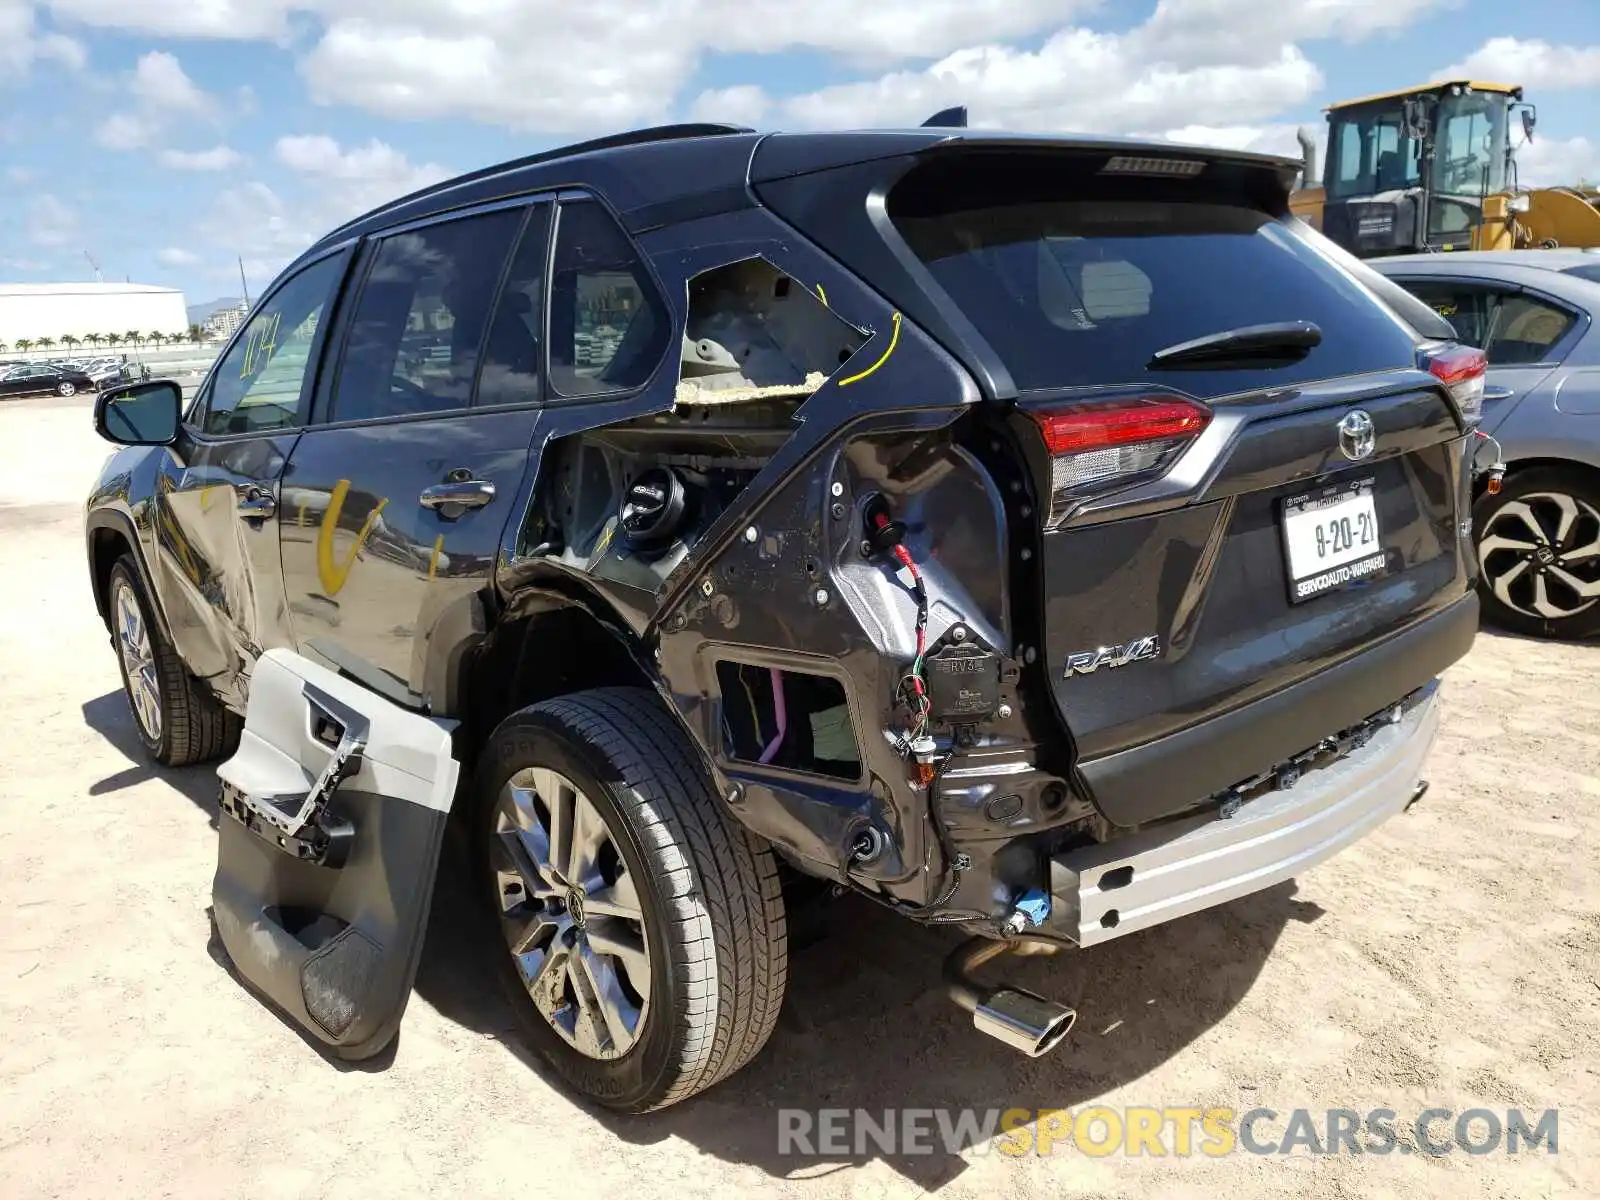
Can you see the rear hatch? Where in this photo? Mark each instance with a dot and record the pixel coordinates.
(1250, 489)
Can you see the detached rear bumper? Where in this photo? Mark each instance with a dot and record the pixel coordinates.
(1104, 891)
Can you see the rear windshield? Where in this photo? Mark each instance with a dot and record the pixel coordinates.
(1083, 289)
(1589, 271)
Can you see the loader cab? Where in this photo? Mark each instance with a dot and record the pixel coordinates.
(1419, 169)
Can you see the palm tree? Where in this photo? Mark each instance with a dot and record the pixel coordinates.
(111, 339)
(24, 345)
(4, 347)
(196, 334)
(134, 338)
(155, 337)
(44, 343)
(94, 339)
(69, 341)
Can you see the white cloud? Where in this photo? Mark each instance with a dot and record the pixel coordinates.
(1264, 139)
(746, 104)
(50, 222)
(560, 67)
(1549, 163)
(126, 131)
(173, 256)
(330, 184)
(356, 179)
(21, 43)
(20, 175)
(188, 18)
(1079, 80)
(1534, 62)
(1247, 32)
(161, 94)
(160, 82)
(218, 158)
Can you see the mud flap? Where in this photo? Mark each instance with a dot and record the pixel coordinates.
(333, 812)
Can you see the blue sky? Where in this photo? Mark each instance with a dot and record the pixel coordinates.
(169, 137)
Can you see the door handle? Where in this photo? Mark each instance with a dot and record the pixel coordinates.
(257, 504)
(1497, 393)
(465, 493)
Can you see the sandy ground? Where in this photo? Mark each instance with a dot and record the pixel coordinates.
(1449, 961)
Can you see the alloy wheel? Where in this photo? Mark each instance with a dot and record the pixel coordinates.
(1540, 555)
(138, 662)
(571, 913)
(67, 388)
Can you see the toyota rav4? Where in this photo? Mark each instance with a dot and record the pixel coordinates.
(1047, 537)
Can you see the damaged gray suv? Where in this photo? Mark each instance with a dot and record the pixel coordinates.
(1045, 537)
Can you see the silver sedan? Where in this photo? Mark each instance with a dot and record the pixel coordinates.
(1533, 313)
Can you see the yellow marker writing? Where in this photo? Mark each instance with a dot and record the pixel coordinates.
(894, 340)
(333, 575)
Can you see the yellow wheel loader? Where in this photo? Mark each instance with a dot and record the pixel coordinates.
(1434, 168)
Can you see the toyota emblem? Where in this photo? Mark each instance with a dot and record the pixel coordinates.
(1357, 435)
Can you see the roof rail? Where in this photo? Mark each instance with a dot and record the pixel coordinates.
(634, 137)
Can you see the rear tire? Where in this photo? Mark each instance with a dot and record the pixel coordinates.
(712, 936)
(1538, 551)
(178, 719)
(66, 388)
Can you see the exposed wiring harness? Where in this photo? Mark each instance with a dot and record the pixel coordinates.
(914, 684)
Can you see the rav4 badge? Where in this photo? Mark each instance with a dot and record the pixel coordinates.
(1089, 661)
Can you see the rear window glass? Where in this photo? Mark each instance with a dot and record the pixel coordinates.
(1589, 271)
(1082, 291)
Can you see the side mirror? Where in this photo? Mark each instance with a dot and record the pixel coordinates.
(1414, 117)
(140, 414)
(1530, 118)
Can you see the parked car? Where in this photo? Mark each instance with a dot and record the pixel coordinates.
(106, 371)
(43, 379)
(1048, 537)
(1533, 313)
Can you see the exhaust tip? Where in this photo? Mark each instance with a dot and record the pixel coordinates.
(1024, 1021)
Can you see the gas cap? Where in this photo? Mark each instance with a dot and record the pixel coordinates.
(653, 509)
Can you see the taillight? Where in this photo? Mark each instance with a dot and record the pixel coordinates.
(1461, 369)
(1110, 442)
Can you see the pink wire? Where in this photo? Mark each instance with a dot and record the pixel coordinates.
(780, 714)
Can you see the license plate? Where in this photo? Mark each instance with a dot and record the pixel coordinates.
(1331, 538)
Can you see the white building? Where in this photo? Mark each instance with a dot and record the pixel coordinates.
(225, 320)
(30, 311)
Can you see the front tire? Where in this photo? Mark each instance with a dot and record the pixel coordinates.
(1539, 553)
(66, 388)
(646, 936)
(178, 719)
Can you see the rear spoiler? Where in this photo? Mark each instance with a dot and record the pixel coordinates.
(785, 155)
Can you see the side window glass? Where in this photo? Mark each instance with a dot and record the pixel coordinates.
(417, 326)
(257, 387)
(609, 328)
(1526, 330)
(513, 355)
(1466, 308)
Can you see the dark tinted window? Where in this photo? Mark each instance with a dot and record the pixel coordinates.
(421, 316)
(1513, 329)
(1526, 330)
(1083, 291)
(258, 385)
(1467, 308)
(1372, 154)
(608, 327)
(513, 355)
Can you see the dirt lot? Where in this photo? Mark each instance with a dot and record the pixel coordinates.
(1448, 961)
